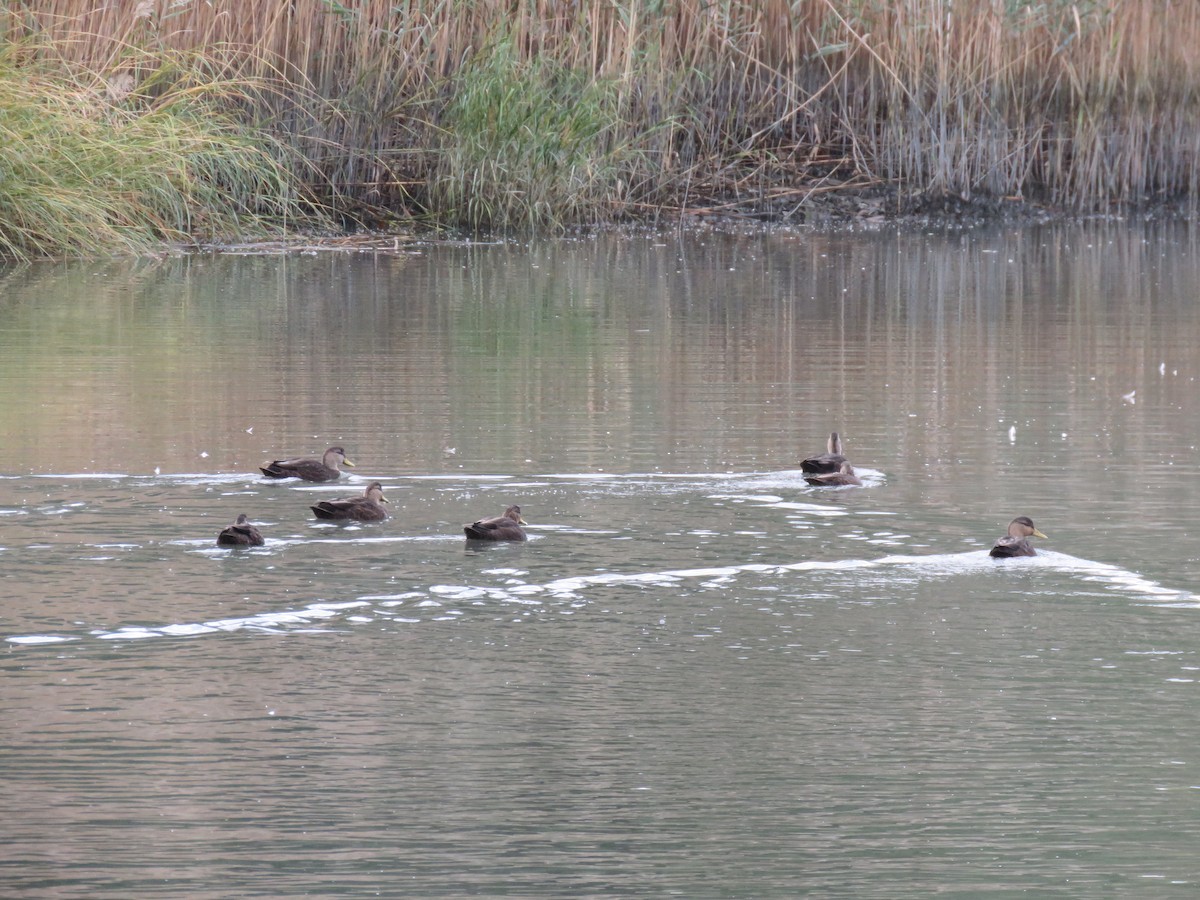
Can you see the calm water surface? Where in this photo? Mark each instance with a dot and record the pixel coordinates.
(700, 677)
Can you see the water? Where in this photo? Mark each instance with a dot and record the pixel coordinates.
(700, 677)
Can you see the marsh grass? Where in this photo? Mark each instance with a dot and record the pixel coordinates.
(528, 144)
(157, 151)
(547, 112)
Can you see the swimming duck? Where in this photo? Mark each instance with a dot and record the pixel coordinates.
(1016, 542)
(240, 534)
(498, 528)
(829, 461)
(844, 475)
(367, 508)
(308, 469)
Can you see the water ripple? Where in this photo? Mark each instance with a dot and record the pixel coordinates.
(572, 591)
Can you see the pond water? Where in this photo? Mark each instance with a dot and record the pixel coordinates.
(700, 676)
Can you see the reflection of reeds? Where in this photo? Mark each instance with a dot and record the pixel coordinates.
(497, 113)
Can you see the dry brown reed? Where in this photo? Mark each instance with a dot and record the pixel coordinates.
(1086, 105)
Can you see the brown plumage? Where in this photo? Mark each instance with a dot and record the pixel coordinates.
(828, 462)
(309, 469)
(240, 534)
(1016, 542)
(498, 528)
(843, 476)
(367, 508)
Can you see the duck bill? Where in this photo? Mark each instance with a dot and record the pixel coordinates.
(1037, 533)
(347, 462)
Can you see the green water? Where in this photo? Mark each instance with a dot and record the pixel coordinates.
(700, 677)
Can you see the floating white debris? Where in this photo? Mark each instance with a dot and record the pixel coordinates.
(1131, 397)
(1012, 434)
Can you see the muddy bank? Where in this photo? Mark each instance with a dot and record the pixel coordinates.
(855, 207)
(823, 208)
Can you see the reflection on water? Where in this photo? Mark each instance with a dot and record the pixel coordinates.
(700, 676)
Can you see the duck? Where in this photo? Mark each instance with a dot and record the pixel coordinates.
(1016, 542)
(843, 476)
(828, 462)
(498, 528)
(309, 469)
(240, 534)
(367, 508)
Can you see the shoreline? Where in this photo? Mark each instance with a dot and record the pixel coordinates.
(844, 210)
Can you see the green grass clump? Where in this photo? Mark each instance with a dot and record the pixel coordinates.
(529, 143)
(121, 161)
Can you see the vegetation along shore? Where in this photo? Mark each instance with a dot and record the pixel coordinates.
(129, 124)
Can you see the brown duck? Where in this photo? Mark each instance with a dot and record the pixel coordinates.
(1016, 542)
(828, 462)
(843, 476)
(367, 508)
(498, 528)
(240, 534)
(309, 469)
